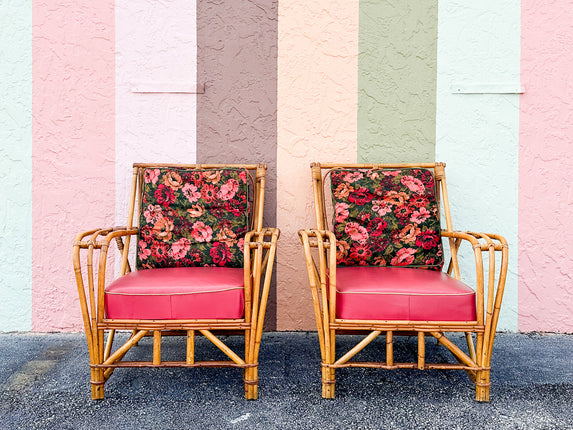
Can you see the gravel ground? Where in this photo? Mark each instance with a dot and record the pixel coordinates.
(44, 385)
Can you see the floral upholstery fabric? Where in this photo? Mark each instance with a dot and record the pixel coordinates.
(386, 218)
(192, 218)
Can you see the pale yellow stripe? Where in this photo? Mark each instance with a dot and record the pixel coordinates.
(316, 121)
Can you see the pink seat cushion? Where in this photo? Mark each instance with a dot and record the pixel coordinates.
(177, 293)
(387, 293)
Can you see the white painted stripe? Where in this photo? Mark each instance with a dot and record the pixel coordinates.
(156, 42)
(477, 136)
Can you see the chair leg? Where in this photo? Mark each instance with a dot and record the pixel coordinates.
(251, 383)
(482, 386)
(328, 382)
(97, 383)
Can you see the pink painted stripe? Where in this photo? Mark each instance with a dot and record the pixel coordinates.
(545, 166)
(73, 147)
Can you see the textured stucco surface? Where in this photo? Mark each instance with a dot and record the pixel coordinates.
(15, 165)
(397, 81)
(237, 114)
(155, 44)
(545, 165)
(477, 134)
(317, 104)
(73, 151)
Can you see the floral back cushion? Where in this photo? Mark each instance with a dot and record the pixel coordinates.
(192, 218)
(386, 218)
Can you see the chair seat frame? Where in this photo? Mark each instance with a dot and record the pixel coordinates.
(320, 254)
(92, 267)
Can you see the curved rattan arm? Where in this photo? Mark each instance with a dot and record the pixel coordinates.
(260, 250)
(321, 279)
(492, 244)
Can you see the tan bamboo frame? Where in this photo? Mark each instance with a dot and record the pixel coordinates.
(320, 255)
(91, 248)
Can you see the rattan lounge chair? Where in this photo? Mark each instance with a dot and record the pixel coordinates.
(378, 270)
(203, 265)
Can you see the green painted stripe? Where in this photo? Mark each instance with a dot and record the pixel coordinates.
(16, 165)
(397, 67)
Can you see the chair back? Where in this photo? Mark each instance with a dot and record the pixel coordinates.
(383, 214)
(194, 215)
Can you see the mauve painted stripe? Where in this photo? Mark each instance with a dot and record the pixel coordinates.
(16, 165)
(73, 147)
(237, 114)
(156, 46)
(545, 166)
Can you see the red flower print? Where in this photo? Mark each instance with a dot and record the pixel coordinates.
(209, 193)
(360, 196)
(164, 195)
(220, 253)
(428, 239)
(376, 226)
(360, 252)
(159, 251)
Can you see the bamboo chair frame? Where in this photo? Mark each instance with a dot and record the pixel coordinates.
(93, 245)
(320, 255)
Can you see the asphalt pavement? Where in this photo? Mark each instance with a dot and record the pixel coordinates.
(44, 384)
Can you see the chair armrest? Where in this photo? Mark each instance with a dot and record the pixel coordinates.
(91, 292)
(493, 244)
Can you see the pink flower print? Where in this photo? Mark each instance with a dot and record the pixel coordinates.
(144, 252)
(341, 211)
(153, 214)
(413, 184)
(404, 257)
(382, 207)
(353, 177)
(243, 176)
(356, 232)
(420, 216)
(151, 176)
(190, 191)
(229, 189)
(179, 249)
(391, 172)
(201, 232)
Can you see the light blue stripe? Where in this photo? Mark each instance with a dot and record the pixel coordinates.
(16, 165)
(477, 134)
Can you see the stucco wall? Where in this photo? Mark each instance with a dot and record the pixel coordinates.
(397, 81)
(73, 152)
(156, 74)
(236, 116)
(477, 132)
(545, 166)
(15, 165)
(317, 87)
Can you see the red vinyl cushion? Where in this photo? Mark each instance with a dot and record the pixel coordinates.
(177, 293)
(390, 293)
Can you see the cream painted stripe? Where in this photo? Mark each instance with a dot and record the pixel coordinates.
(477, 134)
(317, 105)
(16, 165)
(156, 47)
